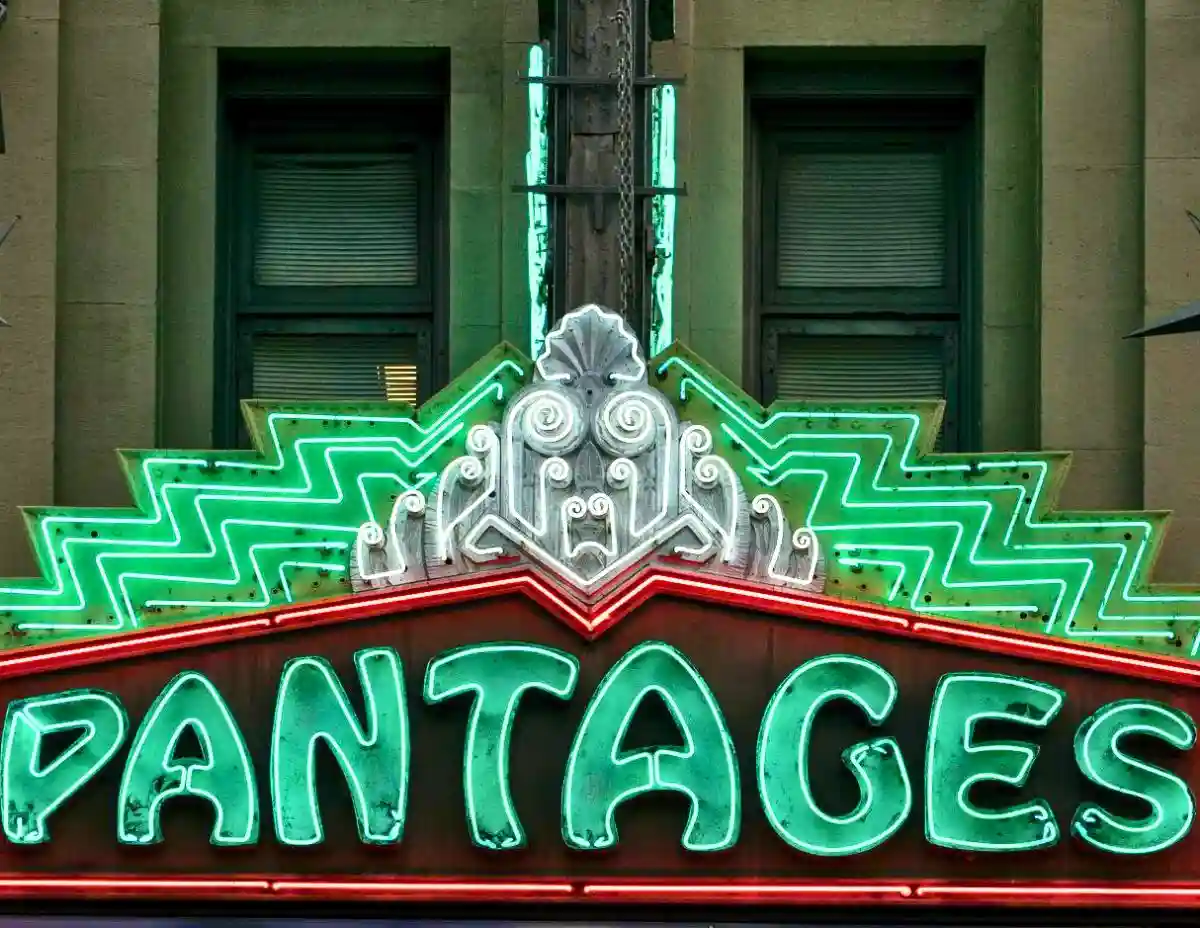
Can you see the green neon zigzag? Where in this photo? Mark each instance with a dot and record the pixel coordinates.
(967, 536)
(219, 533)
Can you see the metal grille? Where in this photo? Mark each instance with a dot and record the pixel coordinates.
(866, 368)
(335, 367)
(861, 220)
(624, 153)
(882, 368)
(336, 222)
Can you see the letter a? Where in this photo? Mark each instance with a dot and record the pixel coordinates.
(600, 776)
(153, 774)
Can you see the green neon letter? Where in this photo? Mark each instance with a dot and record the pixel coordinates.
(498, 675)
(153, 774)
(1100, 758)
(954, 762)
(32, 789)
(885, 794)
(600, 776)
(312, 706)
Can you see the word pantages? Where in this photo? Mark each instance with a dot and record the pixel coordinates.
(374, 755)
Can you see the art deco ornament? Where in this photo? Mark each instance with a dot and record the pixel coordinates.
(589, 474)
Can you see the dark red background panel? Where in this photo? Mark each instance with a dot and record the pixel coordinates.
(743, 656)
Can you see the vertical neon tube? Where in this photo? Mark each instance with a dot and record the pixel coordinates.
(662, 213)
(537, 162)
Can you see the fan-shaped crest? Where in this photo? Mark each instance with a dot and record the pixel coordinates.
(591, 341)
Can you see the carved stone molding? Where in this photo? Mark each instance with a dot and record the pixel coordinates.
(590, 473)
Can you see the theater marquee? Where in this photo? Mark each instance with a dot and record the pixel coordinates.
(589, 630)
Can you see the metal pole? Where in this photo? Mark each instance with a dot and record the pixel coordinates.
(626, 230)
(1180, 322)
(4, 233)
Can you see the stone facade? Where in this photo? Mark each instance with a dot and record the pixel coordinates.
(1090, 155)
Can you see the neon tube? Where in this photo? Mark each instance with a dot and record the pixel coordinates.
(537, 163)
(662, 214)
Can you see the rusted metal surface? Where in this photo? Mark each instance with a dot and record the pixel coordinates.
(593, 271)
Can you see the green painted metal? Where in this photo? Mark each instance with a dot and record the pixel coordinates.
(221, 533)
(971, 536)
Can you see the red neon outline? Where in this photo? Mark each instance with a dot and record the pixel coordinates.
(742, 891)
(591, 619)
(631, 892)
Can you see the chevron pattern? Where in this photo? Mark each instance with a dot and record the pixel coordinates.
(972, 537)
(215, 534)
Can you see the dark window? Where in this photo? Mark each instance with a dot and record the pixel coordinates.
(333, 213)
(863, 253)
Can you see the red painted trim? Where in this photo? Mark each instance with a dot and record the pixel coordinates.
(629, 892)
(590, 621)
(756, 892)
(381, 889)
(1065, 895)
(16, 886)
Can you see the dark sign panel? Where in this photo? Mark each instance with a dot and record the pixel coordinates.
(693, 750)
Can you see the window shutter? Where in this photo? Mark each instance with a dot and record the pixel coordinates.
(861, 220)
(860, 367)
(336, 222)
(871, 368)
(335, 367)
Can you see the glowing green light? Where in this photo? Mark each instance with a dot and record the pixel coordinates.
(497, 675)
(600, 776)
(221, 533)
(970, 537)
(153, 773)
(885, 794)
(313, 710)
(1100, 757)
(955, 762)
(313, 707)
(537, 168)
(32, 791)
(662, 217)
(974, 537)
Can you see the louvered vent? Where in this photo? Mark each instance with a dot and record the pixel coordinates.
(348, 222)
(336, 367)
(854, 367)
(861, 220)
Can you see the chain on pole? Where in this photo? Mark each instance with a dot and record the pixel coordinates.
(624, 154)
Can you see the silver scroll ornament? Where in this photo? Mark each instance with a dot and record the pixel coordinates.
(589, 474)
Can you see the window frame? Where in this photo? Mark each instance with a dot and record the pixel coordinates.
(320, 139)
(338, 108)
(252, 326)
(949, 331)
(941, 301)
(838, 106)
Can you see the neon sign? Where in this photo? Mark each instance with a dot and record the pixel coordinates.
(597, 627)
(601, 774)
(968, 537)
